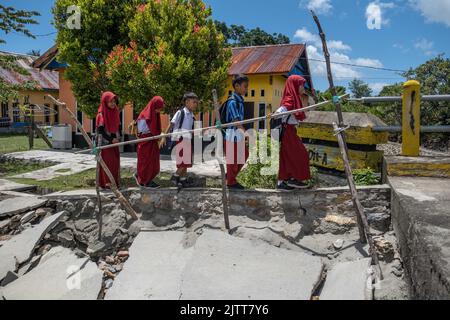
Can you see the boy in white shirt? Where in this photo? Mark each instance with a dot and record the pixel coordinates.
(182, 122)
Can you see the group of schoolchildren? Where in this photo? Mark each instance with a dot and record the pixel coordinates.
(294, 171)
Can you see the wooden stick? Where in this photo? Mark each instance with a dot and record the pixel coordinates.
(99, 197)
(42, 135)
(31, 132)
(224, 126)
(363, 224)
(222, 166)
(124, 202)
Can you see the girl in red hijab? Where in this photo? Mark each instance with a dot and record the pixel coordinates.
(108, 125)
(294, 159)
(149, 124)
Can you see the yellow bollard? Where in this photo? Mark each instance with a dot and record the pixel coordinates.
(411, 119)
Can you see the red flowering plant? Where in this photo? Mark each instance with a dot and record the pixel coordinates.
(131, 74)
(175, 47)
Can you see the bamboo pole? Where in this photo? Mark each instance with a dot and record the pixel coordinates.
(31, 131)
(221, 165)
(223, 126)
(363, 224)
(42, 135)
(123, 201)
(97, 190)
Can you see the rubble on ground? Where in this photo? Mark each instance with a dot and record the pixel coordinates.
(73, 235)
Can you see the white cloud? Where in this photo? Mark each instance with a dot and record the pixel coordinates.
(369, 62)
(377, 87)
(426, 46)
(338, 45)
(434, 11)
(375, 14)
(319, 6)
(306, 36)
(338, 52)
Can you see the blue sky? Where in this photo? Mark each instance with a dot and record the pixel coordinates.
(396, 34)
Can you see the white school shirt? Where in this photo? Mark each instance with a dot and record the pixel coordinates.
(187, 125)
(292, 119)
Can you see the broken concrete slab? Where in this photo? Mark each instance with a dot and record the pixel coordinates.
(61, 275)
(421, 220)
(154, 269)
(4, 224)
(224, 267)
(163, 266)
(10, 277)
(18, 249)
(348, 281)
(17, 194)
(27, 217)
(13, 206)
(6, 185)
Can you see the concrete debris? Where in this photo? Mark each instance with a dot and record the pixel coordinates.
(27, 217)
(19, 249)
(161, 268)
(348, 281)
(338, 244)
(10, 277)
(6, 185)
(385, 249)
(60, 275)
(14, 206)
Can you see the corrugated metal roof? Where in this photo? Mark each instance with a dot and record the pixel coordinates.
(46, 79)
(265, 59)
(43, 61)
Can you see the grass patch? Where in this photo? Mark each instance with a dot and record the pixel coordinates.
(86, 180)
(365, 177)
(15, 143)
(10, 168)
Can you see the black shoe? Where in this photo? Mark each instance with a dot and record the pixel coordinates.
(297, 184)
(285, 187)
(152, 185)
(237, 186)
(175, 180)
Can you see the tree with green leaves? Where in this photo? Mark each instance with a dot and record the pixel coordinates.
(434, 77)
(359, 88)
(239, 36)
(104, 25)
(174, 48)
(12, 20)
(141, 48)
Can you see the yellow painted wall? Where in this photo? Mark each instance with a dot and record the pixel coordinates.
(272, 85)
(32, 97)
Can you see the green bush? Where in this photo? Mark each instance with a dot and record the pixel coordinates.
(252, 176)
(365, 177)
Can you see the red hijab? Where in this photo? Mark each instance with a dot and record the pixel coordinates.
(151, 116)
(291, 97)
(110, 118)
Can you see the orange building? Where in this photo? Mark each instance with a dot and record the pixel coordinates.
(12, 115)
(267, 67)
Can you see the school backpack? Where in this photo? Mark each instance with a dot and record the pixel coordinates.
(173, 142)
(223, 109)
(277, 123)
